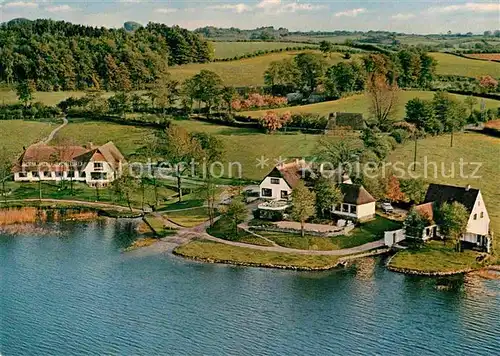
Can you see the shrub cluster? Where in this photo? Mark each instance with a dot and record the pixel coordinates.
(258, 101)
(36, 111)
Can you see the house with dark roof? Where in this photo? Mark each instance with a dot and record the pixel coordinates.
(96, 166)
(478, 225)
(276, 188)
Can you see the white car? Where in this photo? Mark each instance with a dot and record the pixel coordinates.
(387, 207)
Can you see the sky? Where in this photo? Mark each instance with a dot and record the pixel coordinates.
(415, 16)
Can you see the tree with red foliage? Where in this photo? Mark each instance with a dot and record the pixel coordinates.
(488, 83)
(393, 190)
(273, 122)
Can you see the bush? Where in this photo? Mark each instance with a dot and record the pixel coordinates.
(400, 135)
(37, 111)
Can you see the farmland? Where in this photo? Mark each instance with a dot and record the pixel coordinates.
(48, 98)
(232, 49)
(487, 56)
(449, 64)
(361, 104)
(244, 72)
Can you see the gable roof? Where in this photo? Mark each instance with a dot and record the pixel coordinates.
(356, 194)
(426, 210)
(292, 172)
(440, 193)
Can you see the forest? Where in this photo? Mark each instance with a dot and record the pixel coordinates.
(58, 55)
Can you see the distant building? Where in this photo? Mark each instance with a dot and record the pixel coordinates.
(96, 166)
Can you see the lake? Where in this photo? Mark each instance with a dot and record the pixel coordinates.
(70, 291)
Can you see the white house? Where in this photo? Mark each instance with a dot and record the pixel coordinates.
(478, 226)
(96, 166)
(277, 188)
(358, 204)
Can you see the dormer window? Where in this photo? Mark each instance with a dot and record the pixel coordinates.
(275, 181)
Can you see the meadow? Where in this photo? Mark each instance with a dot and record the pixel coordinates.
(232, 49)
(244, 72)
(471, 147)
(48, 98)
(449, 64)
(361, 104)
(14, 134)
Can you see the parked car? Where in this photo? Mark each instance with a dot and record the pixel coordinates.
(387, 207)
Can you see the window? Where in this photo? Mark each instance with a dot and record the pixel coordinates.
(35, 174)
(275, 181)
(98, 166)
(353, 209)
(478, 239)
(475, 216)
(71, 174)
(23, 175)
(83, 174)
(266, 192)
(482, 214)
(345, 208)
(47, 174)
(284, 194)
(58, 174)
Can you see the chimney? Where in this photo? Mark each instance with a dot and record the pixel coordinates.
(467, 188)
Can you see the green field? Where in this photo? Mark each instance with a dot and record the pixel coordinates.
(127, 138)
(470, 147)
(244, 72)
(48, 98)
(361, 103)
(14, 134)
(449, 64)
(232, 49)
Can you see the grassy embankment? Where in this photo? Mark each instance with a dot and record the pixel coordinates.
(215, 252)
(223, 229)
(188, 217)
(471, 148)
(435, 257)
(365, 233)
(231, 49)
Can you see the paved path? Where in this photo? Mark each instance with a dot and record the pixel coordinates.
(53, 133)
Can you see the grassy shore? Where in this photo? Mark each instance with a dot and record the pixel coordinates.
(223, 229)
(435, 257)
(189, 217)
(209, 251)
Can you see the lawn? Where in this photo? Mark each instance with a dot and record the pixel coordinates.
(471, 147)
(213, 251)
(435, 257)
(449, 64)
(361, 104)
(244, 72)
(223, 229)
(158, 226)
(232, 49)
(364, 233)
(16, 134)
(188, 217)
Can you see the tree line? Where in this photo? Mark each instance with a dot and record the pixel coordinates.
(58, 55)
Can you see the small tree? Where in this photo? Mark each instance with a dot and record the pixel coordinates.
(273, 122)
(471, 102)
(125, 186)
(413, 189)
(394, 192)
(210, 193)
(24, 91)
(414, 225)
(383, 100)
(303, 204)
(328, 195)
(236, 213)
(452, 219)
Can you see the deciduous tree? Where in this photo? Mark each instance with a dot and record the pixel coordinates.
(452, 220)
(303, 204)
(328, 195)
(383, 100)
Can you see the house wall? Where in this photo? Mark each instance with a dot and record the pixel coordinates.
(366, 211)
(31, 178)
(106, 168)
(393, 237)
(478, 226)
(276, 188)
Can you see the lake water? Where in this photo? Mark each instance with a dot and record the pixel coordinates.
(75, 293)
